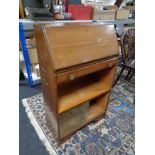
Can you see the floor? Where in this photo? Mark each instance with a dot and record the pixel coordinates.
(29, 143)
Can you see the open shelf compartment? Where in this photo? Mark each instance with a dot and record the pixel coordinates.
(97, 107)
(80, 90)
(75, 118)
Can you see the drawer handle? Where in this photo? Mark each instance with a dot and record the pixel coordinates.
(71, 76)
(109, 64)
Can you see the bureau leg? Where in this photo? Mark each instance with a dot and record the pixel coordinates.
(127, 76)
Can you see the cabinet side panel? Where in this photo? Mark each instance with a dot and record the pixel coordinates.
(106, 77)
(47, 78)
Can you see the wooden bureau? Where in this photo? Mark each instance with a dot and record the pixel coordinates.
(77, 67)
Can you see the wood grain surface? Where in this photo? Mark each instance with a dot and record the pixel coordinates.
(71, 45)
(77, 66)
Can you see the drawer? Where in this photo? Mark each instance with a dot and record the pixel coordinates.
(78, 72)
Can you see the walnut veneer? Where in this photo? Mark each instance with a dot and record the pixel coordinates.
(77, 67)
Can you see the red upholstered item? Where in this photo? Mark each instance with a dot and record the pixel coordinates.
(80, 12)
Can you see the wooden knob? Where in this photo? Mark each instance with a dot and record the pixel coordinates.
(109, 64)
(71, 76)
(43, 69)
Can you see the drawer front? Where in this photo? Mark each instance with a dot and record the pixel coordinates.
(73, 74)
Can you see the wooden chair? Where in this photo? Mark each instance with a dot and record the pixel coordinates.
(128, 54)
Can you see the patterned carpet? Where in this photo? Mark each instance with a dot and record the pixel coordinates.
(112, 135)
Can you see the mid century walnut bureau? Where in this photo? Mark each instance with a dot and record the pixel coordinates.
(77, 67)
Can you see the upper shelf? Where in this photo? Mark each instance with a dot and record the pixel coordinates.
(82, 92)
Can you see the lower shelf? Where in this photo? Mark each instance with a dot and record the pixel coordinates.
(94, 112)
(97, 107)
(72, 120)
(78, 96)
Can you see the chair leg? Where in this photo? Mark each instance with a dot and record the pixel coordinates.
(130, 76)
(118, 77)
(126, 78)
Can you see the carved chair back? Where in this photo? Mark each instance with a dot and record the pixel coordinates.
(128, 46)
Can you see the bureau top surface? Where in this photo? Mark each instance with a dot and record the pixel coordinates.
(74, 44)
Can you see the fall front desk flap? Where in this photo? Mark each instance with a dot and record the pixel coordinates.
(72, 44)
